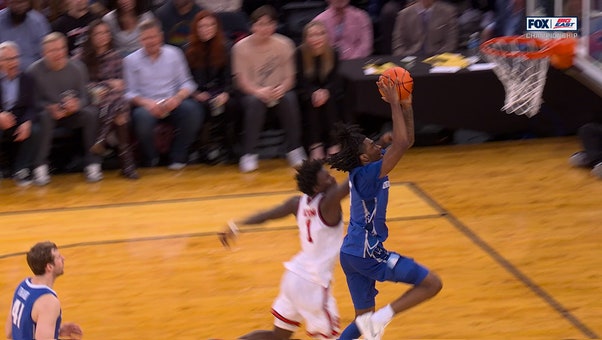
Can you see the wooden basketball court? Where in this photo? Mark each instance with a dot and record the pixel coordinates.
(513, 231)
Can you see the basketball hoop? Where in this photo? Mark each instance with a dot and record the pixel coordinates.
(521, 65)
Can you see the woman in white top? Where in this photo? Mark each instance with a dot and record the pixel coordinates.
(124, 20)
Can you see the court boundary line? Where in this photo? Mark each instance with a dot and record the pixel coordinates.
(505, 264)
(248, 230)
(149, 203)
(164, 201)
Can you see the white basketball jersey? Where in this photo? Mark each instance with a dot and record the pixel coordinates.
(320, 243)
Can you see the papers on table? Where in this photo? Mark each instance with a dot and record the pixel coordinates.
(473, 60)
(453, 62)
(448, 59)
(408, 59)
(454, 69)
(441, 63)
(481, 67)
(377, 69)
(444, 69)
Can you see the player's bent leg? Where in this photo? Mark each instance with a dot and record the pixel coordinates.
(398, 268)
(361, 287)
(423, 289)
(432, 284)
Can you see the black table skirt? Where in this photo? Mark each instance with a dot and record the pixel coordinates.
(471, 100)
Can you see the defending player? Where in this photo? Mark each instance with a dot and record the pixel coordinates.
(364, 258)
(305, 289)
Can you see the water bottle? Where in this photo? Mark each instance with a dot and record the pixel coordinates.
(473, 45)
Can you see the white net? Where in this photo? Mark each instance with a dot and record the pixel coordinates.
(523, 78)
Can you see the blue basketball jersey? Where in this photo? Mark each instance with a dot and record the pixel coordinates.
(24, 328)
(369, 196)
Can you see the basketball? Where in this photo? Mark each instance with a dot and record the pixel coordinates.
(403, 78)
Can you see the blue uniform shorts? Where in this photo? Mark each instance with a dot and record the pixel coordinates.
(362, 274)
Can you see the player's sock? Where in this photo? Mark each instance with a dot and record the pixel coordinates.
(383, 315)
(351, 332)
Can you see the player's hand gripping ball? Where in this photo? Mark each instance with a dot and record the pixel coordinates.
(401, 77)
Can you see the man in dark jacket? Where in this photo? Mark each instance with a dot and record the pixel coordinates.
(16, 112)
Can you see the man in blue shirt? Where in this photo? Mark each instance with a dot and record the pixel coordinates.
(159, 85)
(364, 258)
(36, 311)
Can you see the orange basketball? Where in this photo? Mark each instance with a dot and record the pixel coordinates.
(403, 78)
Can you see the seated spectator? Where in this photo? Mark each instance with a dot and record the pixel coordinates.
(105, 71)
(124, 21)
(349, 29)
(234, 24)
(509, 19)
(426, 28)
(159, 86)
(591, 156)
(317, 70)
(98, 8)
(249, 6)
(264, 69)
(220, 6)
(25, 26)
(74, 24)
(473, 17)
(386, 24)
(62, 100)
(176, 17)
(17, 116)
(51, 9)
(375, 7)
(208, 57)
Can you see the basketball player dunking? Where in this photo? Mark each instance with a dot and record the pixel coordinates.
(364, 258)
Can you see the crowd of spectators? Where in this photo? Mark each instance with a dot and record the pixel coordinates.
(167, 79)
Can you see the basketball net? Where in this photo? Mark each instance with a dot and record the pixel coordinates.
(521, 65)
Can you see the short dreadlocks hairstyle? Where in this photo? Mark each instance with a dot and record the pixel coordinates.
(351, 140)
(307, 176)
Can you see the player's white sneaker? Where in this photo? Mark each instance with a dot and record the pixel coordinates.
(370, 330)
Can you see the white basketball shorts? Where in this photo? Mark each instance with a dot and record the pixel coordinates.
(301, 300)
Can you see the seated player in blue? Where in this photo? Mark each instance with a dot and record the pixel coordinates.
(364, 258)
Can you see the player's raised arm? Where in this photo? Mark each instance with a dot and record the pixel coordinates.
(402, 116)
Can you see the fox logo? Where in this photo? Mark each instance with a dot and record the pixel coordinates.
(551, 23)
